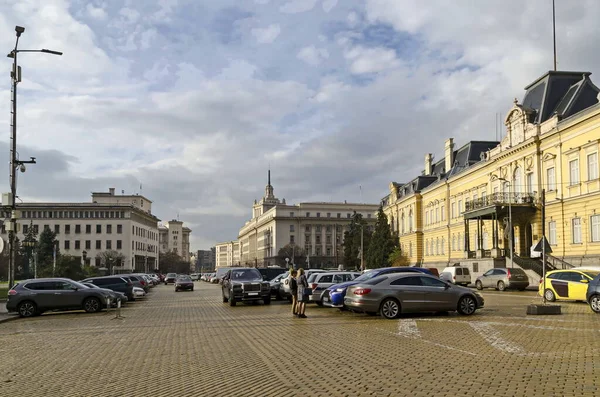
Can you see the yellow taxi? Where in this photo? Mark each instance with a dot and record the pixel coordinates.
(569, 284)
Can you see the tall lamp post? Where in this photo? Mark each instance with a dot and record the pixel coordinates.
(14, 161)
(510, 225)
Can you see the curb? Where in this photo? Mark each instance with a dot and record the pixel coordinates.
(7, 318)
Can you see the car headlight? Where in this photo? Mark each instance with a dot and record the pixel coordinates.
(340, 289)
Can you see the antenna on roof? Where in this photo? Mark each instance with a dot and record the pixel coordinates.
(496, 125)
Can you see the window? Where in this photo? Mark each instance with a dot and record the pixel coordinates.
(552, 232)
(109, 229)
(57, 229)
(592, 164)
(339, 215)
(307, 229)
(108, 244)
(77, 244)
(427, 217)
(460, 207)
(67, 244)
(517, 186)
(308, 214)
(453, 211)
(453, 242)
(432, 282)
(530, 183)
(443, 212)
(412, 280)
(595, 228)
(46, 227)
(574, 172)
(437, 215)
(292, 239)
(328, 251)
(318, 228)
(88, 229)
(318, 239)
(443, 244)
(576, 222)
(98, 244)
(348, 216)
(410, 221)
(98, 228)
(25, 229)
(437, 246)
(402, 223)
(427, 247)
(77, 229)
(329, 215)
(36, 229)
(291, 228)
(88, 244)
(291, 214)
(318, 214)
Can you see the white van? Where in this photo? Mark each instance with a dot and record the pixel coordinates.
(456, 275)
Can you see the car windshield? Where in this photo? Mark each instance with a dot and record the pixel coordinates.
(90, 285)
(376, 280)
(172, 275)
(184, 278)
(312, 278)
(79, 285)
(245, 275)
(367, 276)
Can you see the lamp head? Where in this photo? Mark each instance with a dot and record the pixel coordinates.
(19, 30)
(22, 168)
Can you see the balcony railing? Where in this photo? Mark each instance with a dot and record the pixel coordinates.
(501, 199)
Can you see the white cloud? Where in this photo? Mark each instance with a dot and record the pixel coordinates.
(130, 14)
(371, 60)
(297, 6)
(312, 55)
(328, 5)
(266, 35)
(96, 12)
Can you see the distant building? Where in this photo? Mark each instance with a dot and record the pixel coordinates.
(174, 237)
(205, 260)
(123, 223)
(227, 254)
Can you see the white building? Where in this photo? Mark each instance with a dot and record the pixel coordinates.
(174, 237)
(123, 223)
(227, 254)
(318, 228)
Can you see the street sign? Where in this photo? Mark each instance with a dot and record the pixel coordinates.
(542, 246)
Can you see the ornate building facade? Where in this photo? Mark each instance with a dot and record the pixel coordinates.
(459, 209)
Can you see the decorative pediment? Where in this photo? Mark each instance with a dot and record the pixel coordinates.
(548, 157)
(518, 128)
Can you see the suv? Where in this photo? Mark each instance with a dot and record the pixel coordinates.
(319, 282)
(242, 284)
(33, 297)
(269, 273)
(115, 283)
(501, 279)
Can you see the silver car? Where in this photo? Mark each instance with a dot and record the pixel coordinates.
(392, 294)
(319, 282)
(501, 279)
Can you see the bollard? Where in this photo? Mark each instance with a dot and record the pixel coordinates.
(118, 311)
(107, 305)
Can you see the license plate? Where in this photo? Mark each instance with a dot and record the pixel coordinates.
(325, 299)
(252, 293)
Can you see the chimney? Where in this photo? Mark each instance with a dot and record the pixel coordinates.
(428, 165)
(111, 191)
(449, 154)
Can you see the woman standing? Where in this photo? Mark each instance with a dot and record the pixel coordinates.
(294, 291)
(302, 293)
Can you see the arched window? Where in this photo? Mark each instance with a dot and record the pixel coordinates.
(443, 246)
(459, 243)
(402, 222)
(437, 246)
(410, 221)
(517, 186)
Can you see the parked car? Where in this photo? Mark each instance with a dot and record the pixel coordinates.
(284, 289)
(184, 283)
(319, 282)
(222, 271)
(571, 284)
(593, 294)
(334, 295)
(115, 296)
(115, 283)
(33, 297)
(138, 281)
(195, 276)
(242, 284)
(170, 278)
(456, 275)
(139, 292)
(269, 273)
(393, 294)
(502, 278)
(276, 284)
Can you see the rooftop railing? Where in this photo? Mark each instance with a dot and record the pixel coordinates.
(501, 199)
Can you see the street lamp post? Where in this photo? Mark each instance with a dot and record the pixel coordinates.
(14, 161)
(30, 243)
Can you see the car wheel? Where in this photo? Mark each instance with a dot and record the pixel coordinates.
(595, 303)
(390, 308)
(521, 289)
(92, 305)
(478, 285)
(192, 290)
(231, 299)
(467, 305)
(550, 297)
(267, 301)
(166, 283)
(27, 309)
(501, 286)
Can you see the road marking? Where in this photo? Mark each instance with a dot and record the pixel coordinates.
(409, 328)
(492, 336)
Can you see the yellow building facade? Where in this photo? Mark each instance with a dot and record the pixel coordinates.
(460, 208)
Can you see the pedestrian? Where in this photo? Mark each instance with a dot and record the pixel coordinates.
(303, 292)
(294, 290)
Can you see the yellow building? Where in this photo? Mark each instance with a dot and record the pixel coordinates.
(460, 208)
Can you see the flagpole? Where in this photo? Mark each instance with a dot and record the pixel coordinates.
(554, 31)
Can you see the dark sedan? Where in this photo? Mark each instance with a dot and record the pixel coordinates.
(115, 296)
(245, 284)
(393, 294)
(184, 283)
(33, 297)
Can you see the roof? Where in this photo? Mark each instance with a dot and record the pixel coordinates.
(559, 92)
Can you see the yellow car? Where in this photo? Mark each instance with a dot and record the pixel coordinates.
(570, 284)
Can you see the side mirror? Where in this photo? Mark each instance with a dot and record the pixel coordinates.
(446, 286)
(75, 289)
(585, 281)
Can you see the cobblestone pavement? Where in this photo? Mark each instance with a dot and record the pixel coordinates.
(191, 344)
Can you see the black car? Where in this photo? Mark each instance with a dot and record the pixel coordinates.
(184, 283)
(115, 295)
(33, 297)
(269, 273)
(115, 283)
(245, 284)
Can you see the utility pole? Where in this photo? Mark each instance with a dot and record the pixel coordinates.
(14, 161)
(544, 246)
(362, 254)
(554, 32)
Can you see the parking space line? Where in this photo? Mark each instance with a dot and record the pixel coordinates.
(408, 327)
(492, 336)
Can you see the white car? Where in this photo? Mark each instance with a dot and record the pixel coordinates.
(195, 276)
(319, 282)
(139, 292)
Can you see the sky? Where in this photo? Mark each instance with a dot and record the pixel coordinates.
(189, 102)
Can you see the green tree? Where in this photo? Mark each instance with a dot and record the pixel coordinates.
(293, 252)
(170, 262)
(109, 259)
(352, 241)
(382, 243)
(69, 267)
(397, 258)
(45, 251)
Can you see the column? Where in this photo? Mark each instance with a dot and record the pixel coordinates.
(467, 247)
